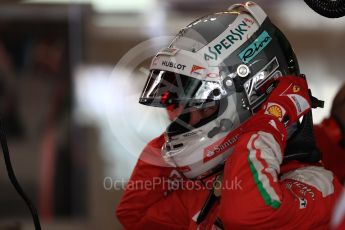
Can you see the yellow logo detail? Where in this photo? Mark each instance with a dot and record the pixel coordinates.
(275, 111)
(296, 89)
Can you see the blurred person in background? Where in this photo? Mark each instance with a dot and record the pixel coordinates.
(330, 137)
(331, 140)
(8, 94)
(227, 78)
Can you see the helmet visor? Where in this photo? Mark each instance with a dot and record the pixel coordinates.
(164, 88)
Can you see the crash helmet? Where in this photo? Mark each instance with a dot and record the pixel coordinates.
(226, 61)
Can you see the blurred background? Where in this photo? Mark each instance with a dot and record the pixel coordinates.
(70, 76)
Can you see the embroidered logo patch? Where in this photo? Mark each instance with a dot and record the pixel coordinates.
(296, 88)
(275, 110)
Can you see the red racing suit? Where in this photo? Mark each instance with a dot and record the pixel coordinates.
(328, 136)
(258, 191)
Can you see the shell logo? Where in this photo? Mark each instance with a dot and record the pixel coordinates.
(275, 111)
(296, 88)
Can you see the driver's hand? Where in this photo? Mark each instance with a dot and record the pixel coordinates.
(289, 100)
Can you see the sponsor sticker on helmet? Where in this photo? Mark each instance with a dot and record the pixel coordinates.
(256, 47)
(221, 146)
(197, 70)
(212, 75)
(230, 40)
(173, 65)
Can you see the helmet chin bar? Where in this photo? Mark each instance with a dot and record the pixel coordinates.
(182, 123)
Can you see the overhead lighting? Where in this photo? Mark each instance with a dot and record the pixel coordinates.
(104, 6)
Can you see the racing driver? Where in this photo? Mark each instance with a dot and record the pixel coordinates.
(233, 81)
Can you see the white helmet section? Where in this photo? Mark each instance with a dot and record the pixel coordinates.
(183, 62)
(203, 64)
(195, 154)
(251, 8)
(230, 40)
